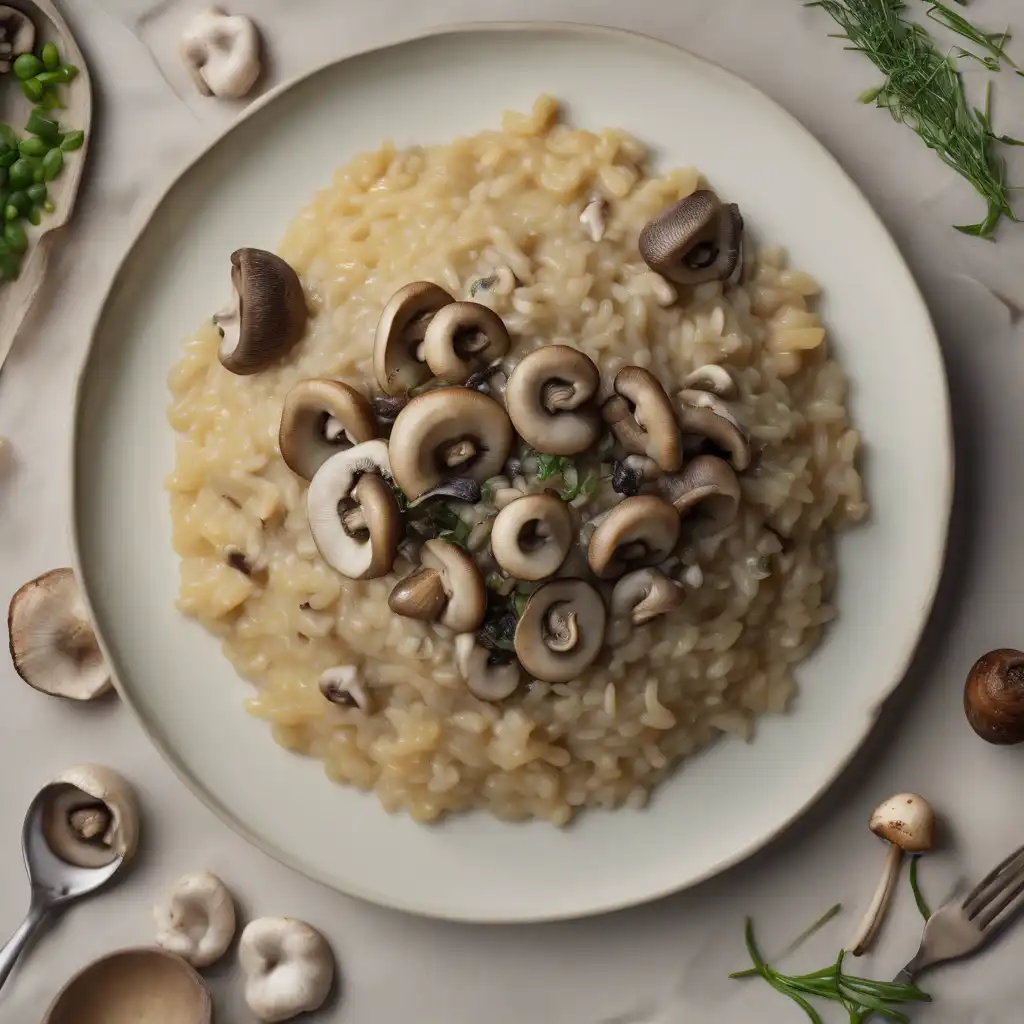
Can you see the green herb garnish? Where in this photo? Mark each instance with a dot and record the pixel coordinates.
(587, 486)
(553, 465)
(924, 90)
(494, 581)
(519, 603)
(915, 888)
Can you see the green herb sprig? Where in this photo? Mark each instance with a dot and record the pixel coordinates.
(923, 89)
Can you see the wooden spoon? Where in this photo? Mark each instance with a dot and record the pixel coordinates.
(16, 297)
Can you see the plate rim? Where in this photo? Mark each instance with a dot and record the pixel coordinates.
(911, 646)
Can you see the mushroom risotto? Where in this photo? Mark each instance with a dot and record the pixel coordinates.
(511, 481)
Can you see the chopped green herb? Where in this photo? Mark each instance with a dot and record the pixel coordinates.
(587, 486)
(553, 465)
(519, 603)
(494, 581)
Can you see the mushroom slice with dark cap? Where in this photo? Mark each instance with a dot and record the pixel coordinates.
(268, 313)
(708, 486)
(397, 359)
(642, 530)
(531, 536)
(549, 397)
(644, 594)
(711, 377)
(448, 432)
(353, 514)
(447, 588)
(642, 419)
(319, 418)
(488, 675)
(561, 630)
(704, 415)
(463, 337)
(695, 240)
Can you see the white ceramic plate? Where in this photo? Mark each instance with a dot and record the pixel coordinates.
(242, 191)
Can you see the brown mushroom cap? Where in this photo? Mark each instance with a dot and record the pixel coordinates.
(53, 646)
(464, 589)
(464, 337)
(268, 315)
(644, 594)
(561, 630)
(400, 332)
(695, 240)
(353, 515)
(319, 417)
(642, 418)
(994, 696)
(549, 397)
(531, 536)
(711, 377)
(445, 433)
(707, 416)
(708, 486)
(642, 530)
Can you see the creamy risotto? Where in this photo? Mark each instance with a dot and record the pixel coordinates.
(541, 224)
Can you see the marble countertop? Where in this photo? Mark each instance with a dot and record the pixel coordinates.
(661, 963)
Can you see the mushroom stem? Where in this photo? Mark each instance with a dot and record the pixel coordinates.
(875, 914)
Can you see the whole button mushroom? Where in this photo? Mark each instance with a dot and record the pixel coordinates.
(222, 53)
(994, 696)
(907, 822)
(695, 240)
(398, 360)
(320, 417)
(447, 588)
(267, 315)
(639, 531)
(550, 400)
(197, 922)
(561, 631)
(461, 338)
(642, 419)
(531, 536)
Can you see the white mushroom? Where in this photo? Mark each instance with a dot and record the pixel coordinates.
(288, 965)
(197, 922)
(532, 535)
(222, 53)
(17, 36)
(341, 685)
(352, 511)
(711, 377)
(90, 816)
(488, 675)
(53, 645)
(907, 822)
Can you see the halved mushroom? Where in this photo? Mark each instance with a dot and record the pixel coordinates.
(448, 432)
(53, 645)
(319, 417)
(695, 240)
(549, 397)
(352, 511)
(642, 530)
(397, 360)
(488, 675)
(532, 535)
(711, 377)
(447, 588)
(462, 338)
(704, 415)
(644, 594)
(642, 419)
(268, 313)
(561, 630)
(17, 36)
(707, 486)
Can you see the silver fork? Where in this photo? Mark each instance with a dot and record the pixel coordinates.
(960, 927)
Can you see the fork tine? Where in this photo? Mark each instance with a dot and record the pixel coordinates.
(986, 918)
(974, 895)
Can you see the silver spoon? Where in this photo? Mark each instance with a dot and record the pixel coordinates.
(55, 883)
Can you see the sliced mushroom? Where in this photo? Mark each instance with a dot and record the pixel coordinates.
(267, 315)
(642, 530)
(319, 417)
(401, 330)
(53, 646)
(488, 675)
(222, 53)
(457, 489)
(448, 432)
(17, 36)
(561, 630)
(549, 397)
(642, 419)
(697, 239)
(708, 486)
(631, 473)
(532, 535)
(461, 338)
(447, 588)
(711, 377)
(644, 594)
(341, 685)
(704, 415)
(352, 511)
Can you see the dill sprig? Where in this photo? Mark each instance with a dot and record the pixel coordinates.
(923, 89)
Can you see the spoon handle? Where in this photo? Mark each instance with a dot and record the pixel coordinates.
(37, 912)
